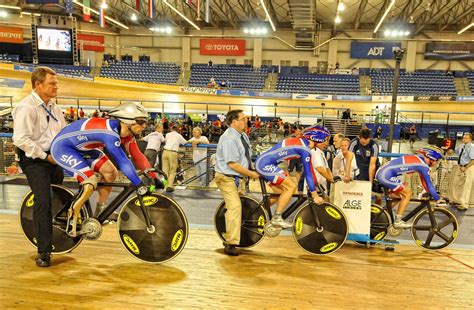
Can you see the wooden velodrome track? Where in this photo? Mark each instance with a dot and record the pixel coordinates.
(274, 274)
(115, 89)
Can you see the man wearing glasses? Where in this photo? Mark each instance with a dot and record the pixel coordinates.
(37, 120)
(233, 162)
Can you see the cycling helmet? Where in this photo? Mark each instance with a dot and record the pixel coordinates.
(432, 152)
(317, 134)
(128, 112)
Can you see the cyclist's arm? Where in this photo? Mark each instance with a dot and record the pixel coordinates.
(325, 173)
(140, 160)
(427, 184)
(308, 171)
(124, 164)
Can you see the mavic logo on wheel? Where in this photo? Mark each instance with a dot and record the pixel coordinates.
(333, 212)
(261, 223)
(298, 226)
(328, 247)
(379, 236)
(177, 240)
(270, 168)
(31, 201)
(130, 244)
(147, 201)
(70, 160)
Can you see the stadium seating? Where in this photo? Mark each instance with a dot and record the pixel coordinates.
(329, 84)
(470, 78)
(149, 72)
(70, 69)
(420, 82)
(239, 76)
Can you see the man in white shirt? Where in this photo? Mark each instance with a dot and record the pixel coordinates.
(37, 120)
(153, 146)
(464, 174)
(170, 155)
(320, 164)
(221, 117)
(199, 155)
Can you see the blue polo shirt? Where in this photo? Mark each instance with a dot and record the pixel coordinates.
(231, 149)
(467, 153)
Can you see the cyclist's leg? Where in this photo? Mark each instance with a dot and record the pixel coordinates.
(287, 188)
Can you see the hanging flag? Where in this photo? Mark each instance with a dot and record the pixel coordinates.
(86, 10)
(137, 5)
(102, 17)
(208, 12)
(151, 8)
(68, 5)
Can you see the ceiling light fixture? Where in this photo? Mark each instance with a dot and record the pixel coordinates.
(267, 14)
(181, 14)
(10, 7)
(392, 3)
(466, 28)
(338, 19)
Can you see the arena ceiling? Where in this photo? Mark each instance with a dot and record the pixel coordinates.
(300, 15)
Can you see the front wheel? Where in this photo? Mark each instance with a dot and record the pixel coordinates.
(60, 201)
(325, 238)
(254, 218)
(167, 236)
(434, 230)
(380, 221)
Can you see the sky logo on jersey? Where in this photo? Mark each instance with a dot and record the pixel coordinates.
(270, 168)
(70, 161)
(81, 138)
(282, 153)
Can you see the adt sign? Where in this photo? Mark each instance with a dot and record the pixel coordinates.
(374, 50)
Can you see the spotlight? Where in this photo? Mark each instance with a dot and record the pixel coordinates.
(3, 14)
(104, 5)
(257, 31)
(407, 33)
(338, 19)
(341, 7)
(394, 33)
(168, 30)
(264, 30)
(252, 31)
(246, 30)
(386, 33)
(401, 33)
(133, 17)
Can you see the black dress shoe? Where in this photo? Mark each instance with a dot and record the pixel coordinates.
(43, 259)
(169, 189)
(231, 250)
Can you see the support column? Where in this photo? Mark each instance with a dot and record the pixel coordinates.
(410, 60)
(332, 54)
(186, 52)
(117, 48)
(257, 52)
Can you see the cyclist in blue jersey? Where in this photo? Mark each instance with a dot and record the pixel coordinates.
(83, 138)
(267, 166)
(388, 175)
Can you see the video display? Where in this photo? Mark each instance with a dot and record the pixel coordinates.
(54, 39)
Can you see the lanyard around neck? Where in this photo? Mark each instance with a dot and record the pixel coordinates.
(49, 112)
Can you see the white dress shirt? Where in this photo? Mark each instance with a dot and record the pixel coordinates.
(199, 152)
(319, 160)
(173, 140)
(154, 140)
(33, 128)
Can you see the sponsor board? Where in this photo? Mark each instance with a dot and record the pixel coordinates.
(11, 34)
(245, 93)
(199, 90)
(374, 50)
(435, 98)
(449, 51)
(89, 42)
(226, 47)
(465, 98)
(11, 83)
(352, 98)
(312, 97)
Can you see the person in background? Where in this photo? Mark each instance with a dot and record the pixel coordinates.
(346, 114)
(233, 162)
(37, 120)
(153, 146)
(412, 132)
(464, 176)
(170, 155)
(344, 164)
(199, 155)
(81, 113)
(366, 151)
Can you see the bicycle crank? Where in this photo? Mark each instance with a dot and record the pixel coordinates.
(271, 231)
(91, 229)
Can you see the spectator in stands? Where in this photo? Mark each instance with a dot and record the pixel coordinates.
(81, 113)
(37, 120)
(464, 176)
(165, 123)
(232, 163)
(72, 113)
(378, 132)
(412, 132)
(366, 151)
(170, 155)
(199, 155)
(344, 164)
(153, 146)
(209, 63)
(337, 65)
(346, 114)
(96, 113)
(222, 118)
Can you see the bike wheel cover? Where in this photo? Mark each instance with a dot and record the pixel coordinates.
(171, 228)
(379, 223)
(61, 242)
(334, 228)
(254, 218)
(445, 232)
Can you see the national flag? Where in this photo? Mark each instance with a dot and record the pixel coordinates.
(151, 8)
(137, 5)
(208, 11)
(102, 17)
(86, 10)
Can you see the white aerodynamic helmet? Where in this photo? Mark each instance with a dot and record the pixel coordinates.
(128, 112)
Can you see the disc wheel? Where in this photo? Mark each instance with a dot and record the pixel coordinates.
(61, 242)
(434, 230)
(379, 223)
(328, 237)
(168, 235)
(254, 218)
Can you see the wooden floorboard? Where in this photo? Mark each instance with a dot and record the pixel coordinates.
(274, 274)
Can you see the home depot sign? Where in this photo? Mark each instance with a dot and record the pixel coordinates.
(11, 34)
(90, 42)
(223, 47)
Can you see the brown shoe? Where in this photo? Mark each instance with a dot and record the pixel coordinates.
(231, 250)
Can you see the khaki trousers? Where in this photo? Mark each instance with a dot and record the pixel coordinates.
(463, 185)
(233, 215)
(170, 164)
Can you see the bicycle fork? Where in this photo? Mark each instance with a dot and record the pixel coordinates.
(149, 226)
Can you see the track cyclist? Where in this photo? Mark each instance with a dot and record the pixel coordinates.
(83, 138)
(388, 176)
(298, 147)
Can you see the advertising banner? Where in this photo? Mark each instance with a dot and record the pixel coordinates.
(11, 34)
(199, 90)
(435, 98)
(90, 42)
(223, 47)
(312, 97)
(352, 98)
(449, 51)
(354, 199)
(11, 83)
(373, 50)
(465, 98)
